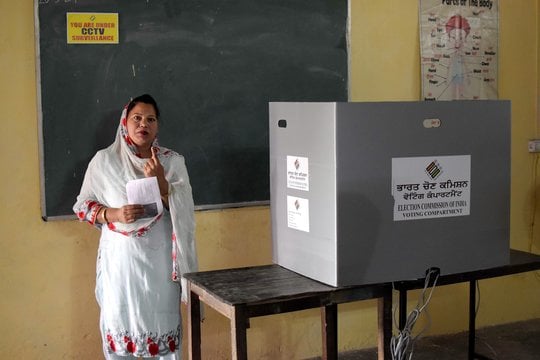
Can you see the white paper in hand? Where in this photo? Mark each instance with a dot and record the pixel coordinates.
(145, 192)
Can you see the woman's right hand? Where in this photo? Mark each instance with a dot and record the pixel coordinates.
(127, 214)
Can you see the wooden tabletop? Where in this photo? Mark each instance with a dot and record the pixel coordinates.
(261, 284)
(518, 262)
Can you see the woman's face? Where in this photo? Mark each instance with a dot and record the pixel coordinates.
(142, 125)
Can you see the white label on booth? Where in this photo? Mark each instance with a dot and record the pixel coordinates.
(298, 173)
(298, 213)
(431, 187)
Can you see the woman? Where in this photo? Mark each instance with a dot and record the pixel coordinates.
(138, 298)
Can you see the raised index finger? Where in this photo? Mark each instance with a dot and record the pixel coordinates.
(154, 155)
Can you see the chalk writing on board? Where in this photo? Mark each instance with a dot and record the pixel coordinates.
(42, 2)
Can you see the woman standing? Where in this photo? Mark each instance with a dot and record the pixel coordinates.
(137, 294)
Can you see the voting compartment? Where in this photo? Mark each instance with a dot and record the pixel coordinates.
(372, 192)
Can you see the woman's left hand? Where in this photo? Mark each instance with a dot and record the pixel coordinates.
(153, 167)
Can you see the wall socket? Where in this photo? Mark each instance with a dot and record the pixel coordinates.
(534, 145)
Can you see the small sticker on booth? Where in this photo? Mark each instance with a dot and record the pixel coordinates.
(92, 28)
(431, 187)
(298, 173)
(298, 213)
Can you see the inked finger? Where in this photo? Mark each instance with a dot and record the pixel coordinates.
(154, 154)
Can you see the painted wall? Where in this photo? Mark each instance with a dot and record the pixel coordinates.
(47, 306)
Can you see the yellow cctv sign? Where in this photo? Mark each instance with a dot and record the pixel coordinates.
(92, 28)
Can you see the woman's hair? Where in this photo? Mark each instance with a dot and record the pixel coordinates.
(146, 99)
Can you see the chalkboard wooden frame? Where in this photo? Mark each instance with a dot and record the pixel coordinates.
(213, 66)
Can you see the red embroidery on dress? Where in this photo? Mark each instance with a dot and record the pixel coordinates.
(169, 153)
(131, 347)
(174, 274)
(138, 232)
(145, 344)
(141, 231)
(172, 345)
(153, 348)
(89, 211)
(94, 210)
(111, 342)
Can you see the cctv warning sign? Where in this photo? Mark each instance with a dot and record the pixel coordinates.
(92, 28)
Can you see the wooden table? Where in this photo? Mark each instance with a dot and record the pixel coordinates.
(519, 262)
(243, 293)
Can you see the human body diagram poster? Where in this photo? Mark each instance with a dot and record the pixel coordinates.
(431, 187)
(459, 49)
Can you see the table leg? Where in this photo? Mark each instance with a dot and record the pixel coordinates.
(472, 319)
(472, 323)
(402, 308)
(239, 333)
(194, 325)
(329, 331)
(384, 306)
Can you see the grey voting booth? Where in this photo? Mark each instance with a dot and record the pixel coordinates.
(374, 192)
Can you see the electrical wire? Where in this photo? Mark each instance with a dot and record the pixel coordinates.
(402, 344)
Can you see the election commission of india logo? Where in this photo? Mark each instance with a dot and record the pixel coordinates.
(434, 170)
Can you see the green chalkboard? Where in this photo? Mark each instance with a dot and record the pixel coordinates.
(212, 65)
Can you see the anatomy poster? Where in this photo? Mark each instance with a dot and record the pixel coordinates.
(459, 49)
